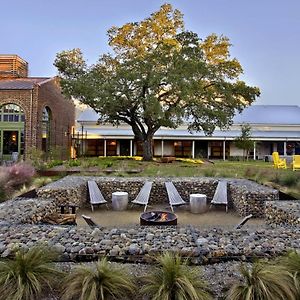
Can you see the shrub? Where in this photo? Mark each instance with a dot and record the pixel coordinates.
(264, 281)
(74, 163)
(28, 275)
(292, 262)
(36, 157)
(172, 279)
(13, 177)
(288, 179)
(99, 282)
(54, 163)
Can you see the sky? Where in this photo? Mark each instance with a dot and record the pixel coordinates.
(265, 34)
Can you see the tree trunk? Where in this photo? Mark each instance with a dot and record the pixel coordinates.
(148, 148)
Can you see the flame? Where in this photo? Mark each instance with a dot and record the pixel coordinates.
(164, 217)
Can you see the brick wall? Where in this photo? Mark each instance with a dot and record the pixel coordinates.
(33, 102)
(63, 116)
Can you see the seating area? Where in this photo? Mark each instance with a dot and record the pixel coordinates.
(281, 163)
(278, 163)
(296, 162)
(143, 196)
(220, 196)
(174, 197)
(96, 197)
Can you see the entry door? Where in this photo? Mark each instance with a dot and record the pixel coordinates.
(124, 147)
(10, 142)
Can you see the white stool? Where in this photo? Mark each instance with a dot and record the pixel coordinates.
(198, 203)
(119, 200)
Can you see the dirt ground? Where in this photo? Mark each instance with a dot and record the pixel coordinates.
(215, 217)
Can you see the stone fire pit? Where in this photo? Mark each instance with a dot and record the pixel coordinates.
(158, 218)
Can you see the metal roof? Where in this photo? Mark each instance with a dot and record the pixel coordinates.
(255, 114)
(21, 83)
(175, 133)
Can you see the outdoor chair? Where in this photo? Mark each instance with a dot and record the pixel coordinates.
(90, 222)
(278, 163)
(96, 197)
(296, 162)
(173, 195)
(143, 197)
(220, 196)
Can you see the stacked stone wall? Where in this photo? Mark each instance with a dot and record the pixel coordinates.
(283, 212)
(250, 198)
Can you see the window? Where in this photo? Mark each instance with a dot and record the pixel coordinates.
(11, 113)
(46, 129)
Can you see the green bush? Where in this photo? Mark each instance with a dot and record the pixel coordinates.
(54, 163)
(288, 179)
(74, 163)
(28, 275)
(264, 281)
(172, 279)
(98, 282)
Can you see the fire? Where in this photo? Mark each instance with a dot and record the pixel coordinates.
(164, 217)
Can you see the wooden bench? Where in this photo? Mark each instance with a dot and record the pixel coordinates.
(173, 195)
(96, 197)
(143, 197)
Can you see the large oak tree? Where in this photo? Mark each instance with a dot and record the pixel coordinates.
(158, 75)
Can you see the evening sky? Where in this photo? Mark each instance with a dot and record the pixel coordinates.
(265, 34)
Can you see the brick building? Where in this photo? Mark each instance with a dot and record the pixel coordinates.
(33, 112)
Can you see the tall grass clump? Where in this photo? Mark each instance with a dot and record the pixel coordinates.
(264, 281)
(289, 179)
(29, 275)
(98, 282)
(173, 280)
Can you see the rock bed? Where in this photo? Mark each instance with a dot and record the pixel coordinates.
(135, 244)
(283, 212)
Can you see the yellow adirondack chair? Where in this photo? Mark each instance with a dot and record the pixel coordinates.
(296, 162)
(279, 163)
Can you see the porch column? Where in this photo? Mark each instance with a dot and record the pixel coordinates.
(284, 148)
(193, 149)
(104, 147)
(162, 148)
(224, 150)
(130, 148)
(254, 150)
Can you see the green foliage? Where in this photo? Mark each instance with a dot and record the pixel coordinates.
(54, 163)
(289, 179)
(36, 157)
(264, 281)
(74, 163)
(172, 279)
(292, 262)
(159, 75)
(28, 275)
(244, 140)
(99, 282)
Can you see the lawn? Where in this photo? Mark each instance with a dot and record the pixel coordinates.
(262, 172)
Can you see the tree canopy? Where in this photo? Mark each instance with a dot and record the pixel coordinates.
(159, 74)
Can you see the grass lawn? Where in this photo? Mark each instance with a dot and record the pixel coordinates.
(262, 172)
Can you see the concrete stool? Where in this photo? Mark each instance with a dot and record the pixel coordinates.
(198, 203)
(119, 200)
